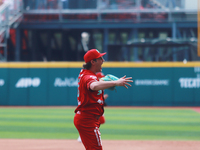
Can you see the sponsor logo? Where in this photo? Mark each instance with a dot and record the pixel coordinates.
(196, 69)
(67, 82)
(154, 82)
(93, 77)
(28, 82)
(2, 82)
(189, 82)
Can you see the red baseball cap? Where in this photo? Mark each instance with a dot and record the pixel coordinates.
(92, 54)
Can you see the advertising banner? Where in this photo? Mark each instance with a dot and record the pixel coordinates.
(56, 85)
(4, 86)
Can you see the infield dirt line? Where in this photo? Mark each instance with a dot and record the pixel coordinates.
(42, 144)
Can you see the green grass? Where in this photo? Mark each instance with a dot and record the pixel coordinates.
(121, 123)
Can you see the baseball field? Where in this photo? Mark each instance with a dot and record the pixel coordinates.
(130, 128)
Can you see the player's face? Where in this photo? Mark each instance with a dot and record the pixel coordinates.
(99, 62)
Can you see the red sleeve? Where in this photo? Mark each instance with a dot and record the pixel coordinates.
(89, 79)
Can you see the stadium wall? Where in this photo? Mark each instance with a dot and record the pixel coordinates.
(55, 83)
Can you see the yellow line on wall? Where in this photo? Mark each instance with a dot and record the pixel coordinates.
(41, 65)
(150, 64)
(105, 65)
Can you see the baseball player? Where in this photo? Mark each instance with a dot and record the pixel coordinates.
(91, 101)
(102, 119)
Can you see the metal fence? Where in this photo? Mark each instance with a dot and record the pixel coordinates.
(111, 10)
(10, 13)
(107, 4)
(4, 30)
(4, 21)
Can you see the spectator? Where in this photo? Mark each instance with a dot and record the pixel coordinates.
(65, 4)
(113, 4)
(42, 4)
(103, 4)
(171, 4)
(52, 4)
(31, 4)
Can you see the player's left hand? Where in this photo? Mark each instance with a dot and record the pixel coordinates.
(123, 81)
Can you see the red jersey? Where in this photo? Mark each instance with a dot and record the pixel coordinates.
(89, 101)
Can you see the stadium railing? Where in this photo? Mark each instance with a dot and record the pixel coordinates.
(4, 28)
(107, 10)
(10, 15)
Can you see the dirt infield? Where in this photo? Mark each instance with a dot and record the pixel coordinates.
(197, 109)
(32, 144)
